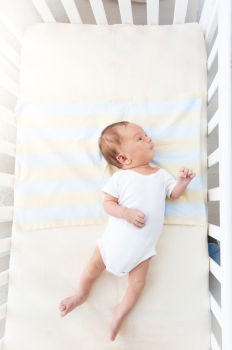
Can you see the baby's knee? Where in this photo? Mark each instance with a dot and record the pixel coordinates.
(138, 284)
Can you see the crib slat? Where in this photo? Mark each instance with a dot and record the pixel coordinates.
(125, 10)
(44, 11)
(152, 11)
(4, 19)
(7, 148)
(5, 244)
(216, 309)
(98, 11)
(6, 214)
(213, 87)
(6, 180)
(3, 308)
(71, 11)
(206, 13)
(7, 115)
(215, 269)
(214, 194)
(180, 11)
(214, 343)
(10, 53)
(213, 54)
(9, 84)
(212, 24)
(4, 278)
(214, 232)
(213, 158)
(213, 122)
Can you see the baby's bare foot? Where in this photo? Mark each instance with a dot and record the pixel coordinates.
(68, 304)
(115, 323)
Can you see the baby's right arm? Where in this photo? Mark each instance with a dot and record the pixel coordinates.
(133, 216)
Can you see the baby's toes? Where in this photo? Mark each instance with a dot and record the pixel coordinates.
(62, 307)
(64, 304)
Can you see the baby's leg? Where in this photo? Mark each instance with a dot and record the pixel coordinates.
(136, 283)
(91, 272)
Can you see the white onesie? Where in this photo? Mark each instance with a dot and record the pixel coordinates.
(123, 245)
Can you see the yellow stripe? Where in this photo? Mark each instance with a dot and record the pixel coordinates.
(185, 220)
(62, 172)
(94, 171)
(168, 220)
(78, 198)
(76, 121)
(155, 98)
(58, 199)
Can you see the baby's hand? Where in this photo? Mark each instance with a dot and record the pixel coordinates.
(186, 174)
(134, 216)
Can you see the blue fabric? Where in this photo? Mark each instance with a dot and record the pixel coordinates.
(214, 252)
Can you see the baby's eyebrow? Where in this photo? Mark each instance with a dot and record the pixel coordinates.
(139, 133)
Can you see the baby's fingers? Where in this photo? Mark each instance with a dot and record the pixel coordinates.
(138, 223)
(141, 215)
(182, 172)
(141, 220)
(191, 174)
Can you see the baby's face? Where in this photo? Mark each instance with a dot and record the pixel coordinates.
(137, 145)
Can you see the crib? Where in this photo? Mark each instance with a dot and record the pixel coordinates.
(215, 18)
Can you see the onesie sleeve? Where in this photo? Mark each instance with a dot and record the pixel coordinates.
(170, 183)
(111, 186)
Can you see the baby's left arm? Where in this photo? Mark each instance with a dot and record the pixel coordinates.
(184, 178)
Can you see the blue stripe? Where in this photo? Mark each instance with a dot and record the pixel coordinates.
(95, 158)
(173, 131)
(178, 157)
(70, 212)
(56, 134)
(111, 107)
(58, 186)
(59, 159)
(90, 133)
(185, 209)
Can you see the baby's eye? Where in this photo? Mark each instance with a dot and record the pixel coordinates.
(139, 138)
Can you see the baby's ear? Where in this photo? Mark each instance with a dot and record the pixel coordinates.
(122, 158)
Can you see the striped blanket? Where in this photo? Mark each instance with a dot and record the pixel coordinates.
(59, 170)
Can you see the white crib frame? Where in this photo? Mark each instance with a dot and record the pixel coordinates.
(215, 19)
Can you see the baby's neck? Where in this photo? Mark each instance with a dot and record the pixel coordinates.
(143, 169)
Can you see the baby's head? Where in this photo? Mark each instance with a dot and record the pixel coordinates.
(126, 145)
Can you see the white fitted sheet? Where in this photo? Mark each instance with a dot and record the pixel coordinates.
(172, 313)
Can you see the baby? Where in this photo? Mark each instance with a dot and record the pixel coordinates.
(135, 200)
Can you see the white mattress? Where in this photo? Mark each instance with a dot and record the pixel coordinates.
(60, 62)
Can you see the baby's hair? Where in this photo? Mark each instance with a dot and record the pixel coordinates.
(110, 141)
